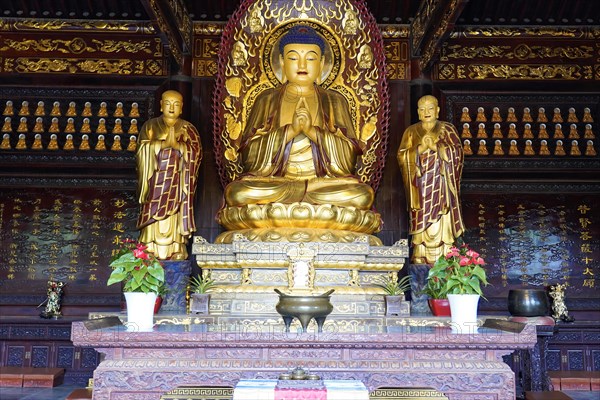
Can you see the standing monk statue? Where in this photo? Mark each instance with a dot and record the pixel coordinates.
(431, 159)
(168, 158)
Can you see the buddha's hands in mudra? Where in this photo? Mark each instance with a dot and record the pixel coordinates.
(302, 121)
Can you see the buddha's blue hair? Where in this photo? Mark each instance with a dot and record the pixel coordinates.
(302, 34)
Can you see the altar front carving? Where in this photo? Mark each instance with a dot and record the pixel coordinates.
(146, 365)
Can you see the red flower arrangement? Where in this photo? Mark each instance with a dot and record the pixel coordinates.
(137, 268)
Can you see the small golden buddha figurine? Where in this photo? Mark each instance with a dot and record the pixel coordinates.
(557, 117)
(543, 133)
(498, 148)
(467, 147)
(118, 128)
(497, 134)
(21, 144)
(54, 128)
(465, 117)
(588, 134)
(24, 108)
(513, 150)
(69, 143)
(511, 117)
(119, 110)
(572, 115)
(132, 146)
(8, 109)
(558, 133)
(37, 142)
(22, 125)
(575, 148)
(512, 132)
(587, 115)
(39, 125)
(481, 133)
(85, 128)
(116, 146)
(482, 150)
(527, 133)
(527, 115)
(100, 145)
(544, 151)
(85, 143)
(466, 131)
(542, 115)
(528, 148)
(70, 128)
(7, 127)
(87, 109)
(590, 150)
(133, 127)
(101, 126)
(53, 145)
(5, 145)
(573, 134)
(55, 112)
(39, 111)
(496, 115)
(559, 150)
(134, 112)
(103, 112)
(481, 115)
(72, 110)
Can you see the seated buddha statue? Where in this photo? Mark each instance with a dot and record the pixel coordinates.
(299, 147)
(299, 144)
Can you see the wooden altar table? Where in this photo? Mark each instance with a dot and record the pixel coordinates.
(144, 365)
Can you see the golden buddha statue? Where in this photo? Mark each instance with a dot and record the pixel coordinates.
(300, 146)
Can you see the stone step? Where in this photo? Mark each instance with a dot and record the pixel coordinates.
(80, 394)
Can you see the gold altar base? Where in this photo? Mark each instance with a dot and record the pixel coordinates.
(348, 306)
(246, 273)
(329, 223)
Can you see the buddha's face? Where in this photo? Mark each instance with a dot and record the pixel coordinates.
(428, 110)
(171, 106)
(302, 63)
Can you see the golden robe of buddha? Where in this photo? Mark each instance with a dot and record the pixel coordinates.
(299, 143)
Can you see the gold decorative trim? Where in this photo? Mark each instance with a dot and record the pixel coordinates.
(75, 26)
(90, 66)
(548, 72)
(394, 31)
(79, 45)
(209, 28)
(164, 27)
(520, 52)
(502, 32)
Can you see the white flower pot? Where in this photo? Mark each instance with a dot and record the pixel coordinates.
(140, 311)
(463, 312)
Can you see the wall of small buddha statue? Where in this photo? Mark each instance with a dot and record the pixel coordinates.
(525, 103)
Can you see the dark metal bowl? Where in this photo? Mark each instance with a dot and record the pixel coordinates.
(304, 308)
(528, 302)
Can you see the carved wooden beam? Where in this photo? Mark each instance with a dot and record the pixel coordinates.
(175, 24)
(434, 23)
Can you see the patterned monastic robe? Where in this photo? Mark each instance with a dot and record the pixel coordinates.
(167, 175)
(432, 185)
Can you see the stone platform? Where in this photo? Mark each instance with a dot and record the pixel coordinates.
(384, 352)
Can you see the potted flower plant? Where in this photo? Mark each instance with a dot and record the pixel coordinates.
(459, 275)
(143, 276)
(199, 287)
(394, 292)
(438, 303)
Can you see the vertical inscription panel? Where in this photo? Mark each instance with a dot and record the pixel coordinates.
(61, 234)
